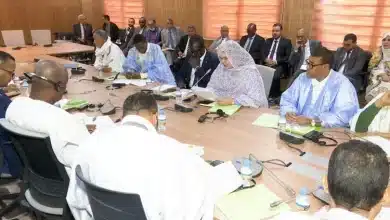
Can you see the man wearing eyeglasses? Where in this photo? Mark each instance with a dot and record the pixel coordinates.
(11, 163)
(321, 96)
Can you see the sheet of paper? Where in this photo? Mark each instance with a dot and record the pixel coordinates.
(136, 82)
(249, 204)
(380, 141)
(228, 109)
(204, 93)
(163, 88)
(208, 105)
(267, 120)
(225, 179)
(198, 150)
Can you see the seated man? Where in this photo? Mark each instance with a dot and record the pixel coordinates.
(254, 44)
(184, 42)
(170, 37)
(297, 60)
(38, 113)
(320, 96)
(108, 55)
(127, 41)
(224, 37)
(349, 60)
(83, 31)
(357, 181)
(11, 162)
(153, 34)
(147, 58)
(177, 185)
(375, 116)
(198, 66)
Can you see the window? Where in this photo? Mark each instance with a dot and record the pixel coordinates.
(237, 14)
(333, 19)
(121, 10)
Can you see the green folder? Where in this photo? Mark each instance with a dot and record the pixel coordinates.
(249, 204)
(75, 104)
(228, 109)
(267, 120)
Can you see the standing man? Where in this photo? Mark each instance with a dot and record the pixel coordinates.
(170, 38)
(183, 46)
(277, 51)
(83, 31)
(111, 28)
(128, 38)
(224, 37)
(302, 51)
(349, 60)
(11, 162)
(253, 44)
(142, 26)
(197, 67)
(153, 34)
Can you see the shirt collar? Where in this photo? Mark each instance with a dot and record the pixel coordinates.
(142, 122)
(202, 57)
(307, 43)
(337, 213)
(316, 83)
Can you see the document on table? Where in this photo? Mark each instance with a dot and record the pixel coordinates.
(228, 109)
(204, 93)
(163, 88)
(267, 120)
(136, 82)
(249, 204)
(380, 141)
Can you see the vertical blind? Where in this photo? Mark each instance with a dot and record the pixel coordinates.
(237, 14)
(121, 10)
(368, 19)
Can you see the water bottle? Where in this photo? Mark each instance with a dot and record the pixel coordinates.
(303, 199)
(282, 123)
(162, 120)
(246, 172)
(179, 99)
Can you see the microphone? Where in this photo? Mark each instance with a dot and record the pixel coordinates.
(197, 82)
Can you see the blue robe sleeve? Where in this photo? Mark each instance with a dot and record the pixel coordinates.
(289, 99)
(130, 63)
(158, 68)
(346, 105)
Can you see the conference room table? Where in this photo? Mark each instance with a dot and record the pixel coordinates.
(223, 139)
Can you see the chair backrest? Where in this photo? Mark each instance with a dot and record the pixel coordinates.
(108, 204)
(41, 37)
(267, 73)
(42, 169)
(13, 38)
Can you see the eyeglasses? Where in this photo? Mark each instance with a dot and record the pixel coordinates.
(386, 39)
(57, 85)
(12, 73)
(311, 65)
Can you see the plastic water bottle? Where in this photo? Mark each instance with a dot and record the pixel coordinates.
(282, 123)
(303, 199)
(162, 120)
(246, 172)
(179, 99)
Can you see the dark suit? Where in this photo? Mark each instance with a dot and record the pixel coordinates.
(297, 58)
(210, 63)
(282, 52)
(181, 46)
(257, 48)
(354, 65)
(88, 35)
(114, 31)
(127, 40)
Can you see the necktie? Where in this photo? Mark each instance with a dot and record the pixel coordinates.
(345, 60)
(271, 55)
(170, 39)
(302, 50)
(248, 46)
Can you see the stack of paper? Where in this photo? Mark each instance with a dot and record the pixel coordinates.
(136, 82)
(228, 109)
(249, 204)
(267, 120)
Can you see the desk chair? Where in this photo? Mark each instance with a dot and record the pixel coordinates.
(267, 73)
(107, 204)
(13, 38)
(45, 181)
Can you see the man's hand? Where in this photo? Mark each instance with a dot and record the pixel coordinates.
(180, 54)
(291, 117)
(385, 77)
(225, 101)
(384, 100)
(267, 62)
(11, 88)
(107, 69)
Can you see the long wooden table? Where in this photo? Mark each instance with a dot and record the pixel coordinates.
(222, 139)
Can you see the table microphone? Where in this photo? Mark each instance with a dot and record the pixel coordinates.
(207, 73)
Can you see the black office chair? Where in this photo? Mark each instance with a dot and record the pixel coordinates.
(45, 181)
(107, 204)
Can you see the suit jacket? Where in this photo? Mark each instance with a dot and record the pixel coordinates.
(158, 37)
(257, 48)
(127, 38)
(181, 46)
(210, 63)
(354, 65)
(114, 31)
(295, 60)
(165, 37)
(283, 51)
(88, 35)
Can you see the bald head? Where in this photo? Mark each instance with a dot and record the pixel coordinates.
(251, 30)
(52, 85)
(224, 31)
(82, 19)
(301, 37)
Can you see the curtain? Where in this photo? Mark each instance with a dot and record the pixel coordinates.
(121, 10)
(237, 14)
(368, 19)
